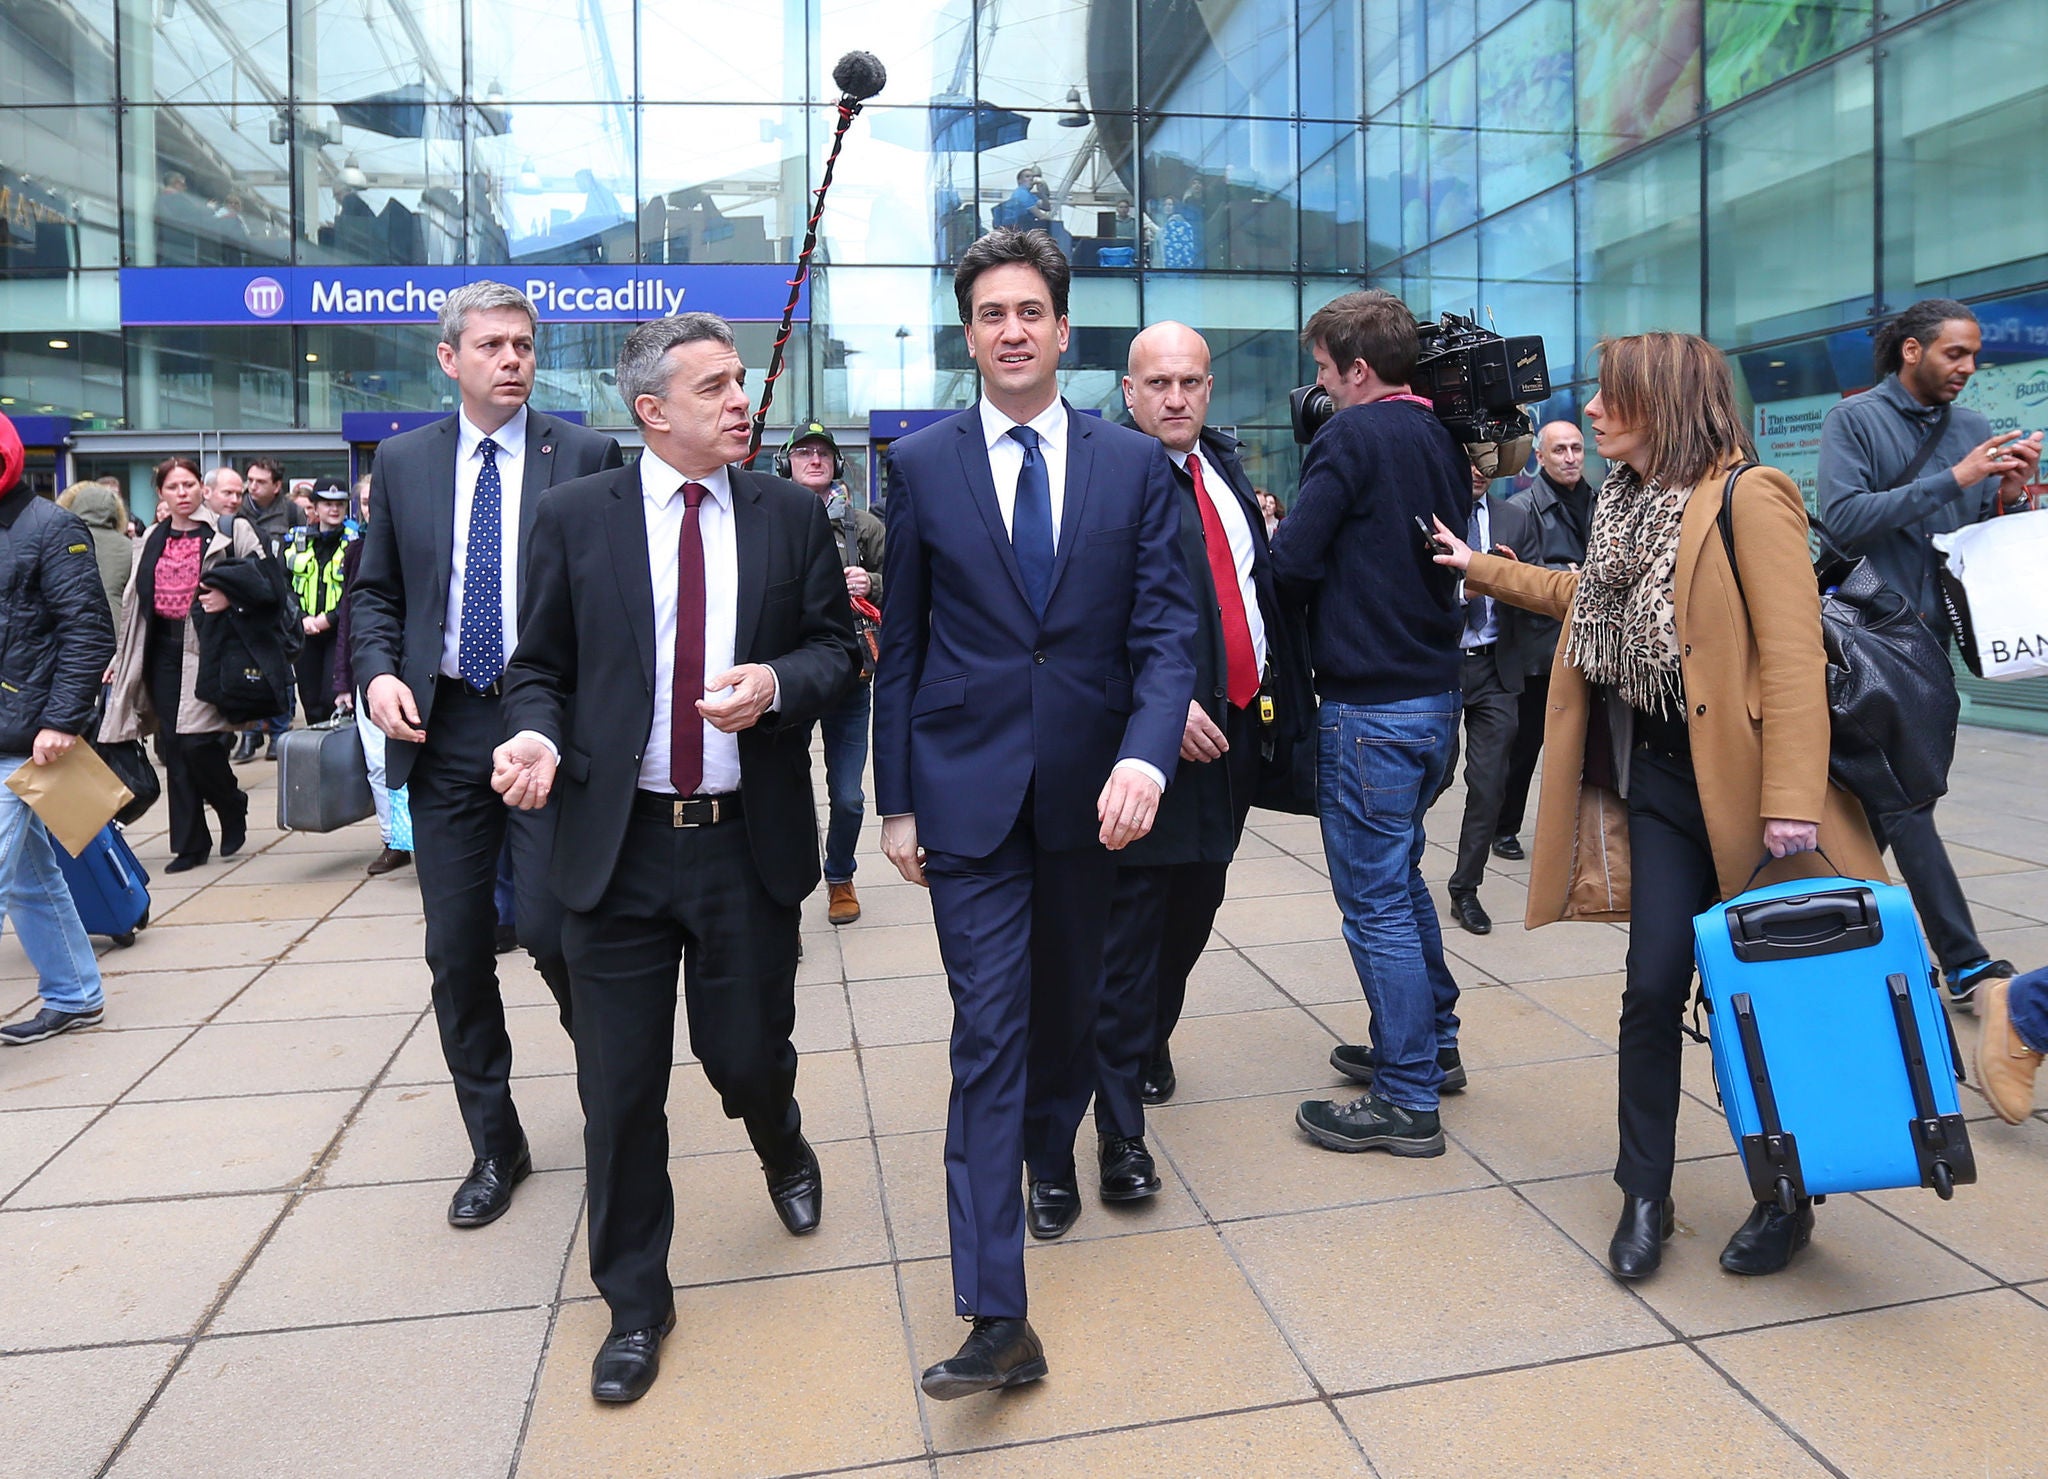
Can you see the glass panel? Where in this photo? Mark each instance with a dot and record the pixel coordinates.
(928, 45)
(894, 343)
(1453, 147)
(206, 378)
(61, 374)
(59, 195)
(63, 304)
(386, 201)
(1332, 197)
(1034, 173)
(1445, 279)
(723, 184)
(1638, 72)
(1220, 190)
(1752, 43)
(206, 187)
(1230, 59)
(224, 51)
(57, 51)
(1452, 25)
(394, 368)
(1102, 315)
(1526, 258)
(534, 52)
(1387, 188)
(1639, 244)
(1055, 54)
(1790, 205)
(1383, 39)
(1330, 49)
(1525, 105)
(1254, 356)
(1962, 213)
(555, 186)
(726, 51)
(904, 190)
(398, 56)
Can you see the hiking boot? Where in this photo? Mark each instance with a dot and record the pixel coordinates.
(47, 1023)
(2006, 1066)
(1354, 1061)
(1371, 1123)
(842, 904)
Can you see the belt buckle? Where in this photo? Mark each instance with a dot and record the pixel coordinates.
(682, 818)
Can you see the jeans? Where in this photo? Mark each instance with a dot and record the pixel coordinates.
(846, 756)
(1378, 767)
(2026, 999)
(34, 895)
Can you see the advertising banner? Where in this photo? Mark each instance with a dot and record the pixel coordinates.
(743, 293)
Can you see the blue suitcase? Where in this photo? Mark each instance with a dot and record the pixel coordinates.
(1835, 1061)
(108, 884)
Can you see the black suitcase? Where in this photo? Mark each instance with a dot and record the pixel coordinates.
(323, 781)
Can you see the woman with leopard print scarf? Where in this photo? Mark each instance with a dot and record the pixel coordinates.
(1702, 716)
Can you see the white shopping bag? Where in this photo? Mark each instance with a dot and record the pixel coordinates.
(1992, 582)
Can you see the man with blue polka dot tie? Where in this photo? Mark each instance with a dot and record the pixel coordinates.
(434, 616)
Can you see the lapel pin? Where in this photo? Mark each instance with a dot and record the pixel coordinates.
(545, 448)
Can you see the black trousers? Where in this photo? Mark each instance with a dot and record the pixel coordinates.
(1490, 724)
(1159, 924)
(197, 773)
(1021, 932)
(1931, 879)
(459, 824)
(1535, 704)
(685, 900)
(314, 668)
(1672, 867)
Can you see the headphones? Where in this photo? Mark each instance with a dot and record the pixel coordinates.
(780, 465)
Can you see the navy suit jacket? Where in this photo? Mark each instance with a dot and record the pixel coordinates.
(977, 700)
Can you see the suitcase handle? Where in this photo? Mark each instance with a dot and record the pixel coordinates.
(1941, 1142)
(1803, 927)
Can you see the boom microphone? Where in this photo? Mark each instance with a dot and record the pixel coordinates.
(860, 75)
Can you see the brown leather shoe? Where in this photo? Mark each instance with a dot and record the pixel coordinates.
(389, 861)
(842, 903)
(2005, 1065)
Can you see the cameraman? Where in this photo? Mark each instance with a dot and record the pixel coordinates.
(1383, 629)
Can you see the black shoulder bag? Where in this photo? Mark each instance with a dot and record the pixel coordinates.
(1892, 703)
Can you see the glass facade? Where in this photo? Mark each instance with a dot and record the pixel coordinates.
(1773, 173)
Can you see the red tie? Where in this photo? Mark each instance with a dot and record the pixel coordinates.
(1243, 685)
(686, 725)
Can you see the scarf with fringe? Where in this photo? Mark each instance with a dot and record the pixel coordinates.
(1624, 632)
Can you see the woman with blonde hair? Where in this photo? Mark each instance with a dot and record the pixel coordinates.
(1687, 733)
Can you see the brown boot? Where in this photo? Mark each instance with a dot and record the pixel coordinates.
(842, 903)
(2005, 1065)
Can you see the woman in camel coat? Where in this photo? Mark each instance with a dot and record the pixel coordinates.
(1687, 733)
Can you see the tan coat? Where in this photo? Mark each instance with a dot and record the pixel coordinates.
(1756, 710)
(130, 714)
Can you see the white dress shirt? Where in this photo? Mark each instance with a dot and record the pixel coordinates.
(511, 460)
(1237, 530)
(661, 501)
(1006, 459)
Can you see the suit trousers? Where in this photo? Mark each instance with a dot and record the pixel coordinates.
(1490, 722)
(1534, 706)
(1672, 867)
(684, 903)
(1159, 924)
(197, 771)
(459, 823)
(1021, 932)
(1931, 879)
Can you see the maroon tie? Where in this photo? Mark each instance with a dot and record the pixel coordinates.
(686, 725)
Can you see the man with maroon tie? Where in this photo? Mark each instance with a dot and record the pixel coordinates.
(1250, 706)
(684, 624)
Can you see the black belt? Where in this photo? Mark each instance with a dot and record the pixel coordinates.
(1481, 650)
(495, 690)
(688, 811)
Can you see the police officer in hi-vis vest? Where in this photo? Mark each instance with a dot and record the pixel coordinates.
(312, 562)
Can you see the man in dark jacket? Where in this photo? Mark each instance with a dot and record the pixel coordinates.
(56, 638)
(1561, 503)
(1881, 497)
(1251, 697)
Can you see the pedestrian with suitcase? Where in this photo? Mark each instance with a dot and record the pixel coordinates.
(1688, 733)
(56, 637)
(155, 677)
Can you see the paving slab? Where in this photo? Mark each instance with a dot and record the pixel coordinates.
(29, 1137)
(63, 1412)
(238, 1058)
(1303, 1438)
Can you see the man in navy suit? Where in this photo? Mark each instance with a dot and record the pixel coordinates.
(1034, 684)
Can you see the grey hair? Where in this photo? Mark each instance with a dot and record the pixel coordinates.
(479, 297)
(212, 478)
(643, 360)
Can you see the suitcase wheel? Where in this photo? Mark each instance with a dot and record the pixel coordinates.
(143, 923)
(1788, 1203)
(1944, 1181)
(123, 940)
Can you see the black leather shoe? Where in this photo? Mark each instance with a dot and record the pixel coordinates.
(999, 1353)
(1354, 1061)
(233, 835)
(1638, 1245)
(1053, 1207)
(506, 939)
(1128, 1172)
(798, 1191)
(1509, 848)
(1766, 1243)
(1157, 1082)
(628, 1362)
(185, 862)
(487, 1191)
(1471, 914)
